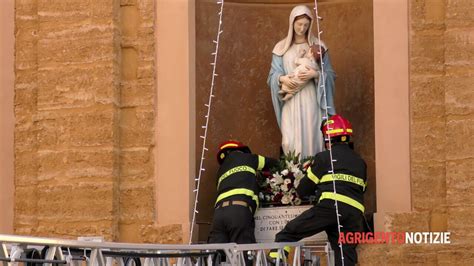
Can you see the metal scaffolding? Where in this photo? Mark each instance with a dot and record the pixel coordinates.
(24, 249)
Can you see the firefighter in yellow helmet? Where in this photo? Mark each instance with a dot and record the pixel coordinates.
(350, 180)
(237, 193)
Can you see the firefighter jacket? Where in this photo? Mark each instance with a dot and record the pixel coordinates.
(237, 177)
(350, 175)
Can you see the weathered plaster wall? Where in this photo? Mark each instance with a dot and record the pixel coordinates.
(174, 163)
(242, 108)
(441, 121)
(7, 120)
(392, 118)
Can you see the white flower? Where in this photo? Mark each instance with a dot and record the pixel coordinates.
(286, 199)
(289, 164)
(294, 167)
(277, 179)
(278, 185)
(299, 175)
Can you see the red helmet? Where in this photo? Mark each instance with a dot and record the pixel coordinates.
(337, 126)
(230, 145)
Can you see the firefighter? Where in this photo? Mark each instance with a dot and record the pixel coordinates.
(237, 193)
(350, 183)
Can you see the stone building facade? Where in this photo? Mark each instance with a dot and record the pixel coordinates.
(84, 120)
(92, 125)
(441, 70)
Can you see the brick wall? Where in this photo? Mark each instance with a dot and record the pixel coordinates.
(84, 133)
(441, 126)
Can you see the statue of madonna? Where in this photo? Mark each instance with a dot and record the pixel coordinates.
(299, 117)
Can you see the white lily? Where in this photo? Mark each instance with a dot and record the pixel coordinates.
(278, 179)
(298, 174)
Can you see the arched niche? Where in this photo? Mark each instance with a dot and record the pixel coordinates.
(242, 108)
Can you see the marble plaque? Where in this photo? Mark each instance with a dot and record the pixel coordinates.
(269, 221)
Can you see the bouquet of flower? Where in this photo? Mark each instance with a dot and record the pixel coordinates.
(278, 186)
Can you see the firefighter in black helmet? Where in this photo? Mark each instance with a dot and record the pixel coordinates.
(237, 193)
(350, 180)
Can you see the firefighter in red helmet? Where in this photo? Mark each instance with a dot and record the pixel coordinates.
(237, 193)
(348, 171)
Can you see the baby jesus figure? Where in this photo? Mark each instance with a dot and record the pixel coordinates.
(303, 62)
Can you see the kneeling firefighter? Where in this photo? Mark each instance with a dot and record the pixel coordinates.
(348, 171)
(237, 193)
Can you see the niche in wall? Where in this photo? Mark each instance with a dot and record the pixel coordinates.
(242, 108)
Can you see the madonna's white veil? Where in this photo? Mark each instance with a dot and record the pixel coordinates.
(282, 46)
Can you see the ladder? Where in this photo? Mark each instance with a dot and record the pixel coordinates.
(14, 249)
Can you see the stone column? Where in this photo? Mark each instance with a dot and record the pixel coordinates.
(7, 77)
(391, 109)
(175, 118)
(137, 118)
